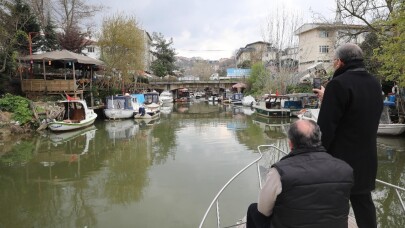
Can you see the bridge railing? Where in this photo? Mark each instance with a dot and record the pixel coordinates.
(173, 81)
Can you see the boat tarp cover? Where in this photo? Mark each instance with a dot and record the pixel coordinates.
(119, 102)
(139, 97)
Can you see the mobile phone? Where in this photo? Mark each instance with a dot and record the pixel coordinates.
(317, 83)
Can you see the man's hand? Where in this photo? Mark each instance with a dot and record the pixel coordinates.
(319, 92)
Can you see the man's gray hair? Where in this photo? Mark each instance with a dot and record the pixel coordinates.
(349, 52)
(308, 136)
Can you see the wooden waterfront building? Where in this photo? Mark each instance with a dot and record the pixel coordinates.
(57, 72)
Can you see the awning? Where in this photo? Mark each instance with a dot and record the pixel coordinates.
(64, 55)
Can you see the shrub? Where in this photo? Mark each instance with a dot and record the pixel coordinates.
(17, 105)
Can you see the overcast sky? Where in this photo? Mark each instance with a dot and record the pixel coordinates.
(212, 29)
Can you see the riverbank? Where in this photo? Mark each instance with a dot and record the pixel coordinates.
(11, 132)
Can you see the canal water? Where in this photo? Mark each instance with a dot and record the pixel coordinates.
(161, 173)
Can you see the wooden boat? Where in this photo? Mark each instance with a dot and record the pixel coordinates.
(76, 115)
(272, 106)
(121, 107)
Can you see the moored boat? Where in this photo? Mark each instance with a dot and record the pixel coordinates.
(297, 101)
(121, 107)
(148, 112)
(391, 129)
(385, 127)
(248, 101)
(236, 98)
(272, 106)
(76, 115)
(166, 97)
(149, 106)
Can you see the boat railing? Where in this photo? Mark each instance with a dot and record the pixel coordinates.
(274, 158)
(256, 161)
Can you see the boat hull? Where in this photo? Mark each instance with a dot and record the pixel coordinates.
(279, 113)
(70, 126)
(390, 129)
(148, 115)
(119, 113)
(248, 101)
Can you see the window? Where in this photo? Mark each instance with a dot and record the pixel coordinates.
(90, 49)
(323, 49)
(323, 34)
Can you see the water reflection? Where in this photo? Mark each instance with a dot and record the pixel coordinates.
(391, 168)
(154, 173)
(166, 108)
(122, 129)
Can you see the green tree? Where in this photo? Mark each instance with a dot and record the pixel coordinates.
(16, 23)
(368, 46)
(259, 79)
(27, 22)
(391, 53)
(165, 55)
(49, 41)
(122, 46)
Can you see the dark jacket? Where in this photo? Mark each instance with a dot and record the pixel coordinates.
(349, 118)
(315, 190)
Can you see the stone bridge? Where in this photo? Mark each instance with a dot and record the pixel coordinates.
(194, 85)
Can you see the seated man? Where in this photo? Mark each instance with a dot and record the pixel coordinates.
(306, 188)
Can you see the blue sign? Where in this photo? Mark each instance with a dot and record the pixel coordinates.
(236, 72)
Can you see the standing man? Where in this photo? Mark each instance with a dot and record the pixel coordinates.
(348, 118)
(307, 188)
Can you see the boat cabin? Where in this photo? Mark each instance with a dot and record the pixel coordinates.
(151, 97)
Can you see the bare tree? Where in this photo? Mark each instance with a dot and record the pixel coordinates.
(200, 69)
(368, 12)
(41, 8)
(74, 13)
(279, 31)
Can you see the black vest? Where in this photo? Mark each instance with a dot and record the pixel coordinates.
(315, 190)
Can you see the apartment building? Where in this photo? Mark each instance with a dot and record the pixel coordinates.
(257, 51)
(148, 56)
(318, 41)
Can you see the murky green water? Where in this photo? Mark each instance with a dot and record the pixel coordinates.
(162, 173)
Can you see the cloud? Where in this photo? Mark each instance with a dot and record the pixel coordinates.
(210, 29)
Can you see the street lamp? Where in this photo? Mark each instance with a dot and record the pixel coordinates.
(30, 48)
